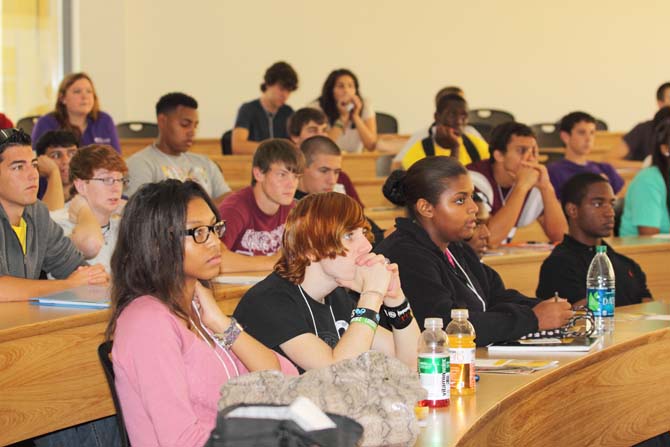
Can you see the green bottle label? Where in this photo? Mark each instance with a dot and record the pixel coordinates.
(434, 364)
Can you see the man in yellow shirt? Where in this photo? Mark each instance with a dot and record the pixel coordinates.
(448, 137)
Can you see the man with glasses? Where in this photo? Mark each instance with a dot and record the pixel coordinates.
(169, 155)
(97, 175)
(516, 186)
(54, 151)
(255, 215)
(448, 136)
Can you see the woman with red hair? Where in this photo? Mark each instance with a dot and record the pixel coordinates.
(77, 110)
(304, 309)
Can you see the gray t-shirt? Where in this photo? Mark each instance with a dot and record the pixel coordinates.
(109, 234)
(151, 165)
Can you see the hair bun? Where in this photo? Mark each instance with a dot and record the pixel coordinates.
(394, 187)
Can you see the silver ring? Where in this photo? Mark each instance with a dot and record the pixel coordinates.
(387, 261)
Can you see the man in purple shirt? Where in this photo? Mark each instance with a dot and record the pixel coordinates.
(578, 132)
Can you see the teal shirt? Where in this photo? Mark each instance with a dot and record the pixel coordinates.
(646, 203)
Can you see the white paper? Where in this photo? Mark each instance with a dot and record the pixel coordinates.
(230, 279)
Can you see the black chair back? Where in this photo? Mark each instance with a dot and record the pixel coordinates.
(26, 124)
(227, 143)
(386, 123)
(137, 129)
(547, 134)
(104, 352)
(485, 120)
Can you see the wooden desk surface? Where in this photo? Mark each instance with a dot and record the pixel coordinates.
(520, 267)
(616, 395)
(50, 375)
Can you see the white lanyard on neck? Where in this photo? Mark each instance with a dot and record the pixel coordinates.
(316, 331)
(213, 346)
(469, 283)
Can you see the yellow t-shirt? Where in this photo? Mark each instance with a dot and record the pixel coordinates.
(416, 153)
(21, 232)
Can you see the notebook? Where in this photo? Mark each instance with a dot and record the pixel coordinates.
(578, 344)
(92, 297)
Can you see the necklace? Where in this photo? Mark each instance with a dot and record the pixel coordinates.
(309, 308)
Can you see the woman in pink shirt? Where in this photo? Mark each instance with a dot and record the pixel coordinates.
(173, 346)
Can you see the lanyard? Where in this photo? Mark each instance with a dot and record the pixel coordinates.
(468, 282)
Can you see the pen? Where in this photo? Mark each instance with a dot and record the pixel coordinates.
(476, 377)
(556, 297)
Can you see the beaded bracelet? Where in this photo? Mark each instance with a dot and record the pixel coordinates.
(228, 337)
(400, 316)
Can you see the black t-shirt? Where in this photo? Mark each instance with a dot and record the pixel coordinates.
(565, 270)
(274, 311)
(261, 124)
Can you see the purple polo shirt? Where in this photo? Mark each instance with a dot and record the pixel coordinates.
(563, 170)
(100, 131)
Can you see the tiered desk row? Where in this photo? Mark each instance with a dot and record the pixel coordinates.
(50, 376)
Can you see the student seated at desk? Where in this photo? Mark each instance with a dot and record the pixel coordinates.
(439, 272)
(173, 346)
(91, 218)
(30, 241)
(308, 122)
(266, 116)
(449, 137)
(303, 310)
(59, 146)
(588, 202)
(352, 120)
(639, 142)
(646, 210)
(255, 215)
(480, 235)
(516, 186)
(578, 133)
(169, 156)
(77, 110)
(323, 164)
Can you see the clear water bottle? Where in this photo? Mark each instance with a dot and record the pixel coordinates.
(600, 290)
(462, 349)
(433, 364)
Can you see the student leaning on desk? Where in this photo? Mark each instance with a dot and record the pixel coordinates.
(439, 272)
(173, 346)
(30, 241)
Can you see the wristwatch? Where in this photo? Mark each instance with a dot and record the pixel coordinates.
(226, 338)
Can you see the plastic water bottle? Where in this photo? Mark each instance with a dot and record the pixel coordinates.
(433, 364)
(462, 348)
(600, 290)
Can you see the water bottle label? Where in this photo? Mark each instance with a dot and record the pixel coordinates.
(601, 302)
(462, 355)
(434, 375)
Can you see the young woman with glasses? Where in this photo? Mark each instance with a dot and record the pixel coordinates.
(173, 346)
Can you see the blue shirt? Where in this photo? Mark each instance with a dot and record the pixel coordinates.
(646, 203)
(563, 170)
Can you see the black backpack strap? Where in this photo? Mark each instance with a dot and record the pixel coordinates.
(428, 146)
(471, 149)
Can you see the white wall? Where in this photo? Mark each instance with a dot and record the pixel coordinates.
(538, 60)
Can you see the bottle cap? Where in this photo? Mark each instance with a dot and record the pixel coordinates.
(601, 249)
(433, 323)
(459, 314)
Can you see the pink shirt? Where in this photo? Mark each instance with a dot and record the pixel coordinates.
(167, 378)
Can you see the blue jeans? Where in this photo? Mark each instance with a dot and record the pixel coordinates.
(99, 433)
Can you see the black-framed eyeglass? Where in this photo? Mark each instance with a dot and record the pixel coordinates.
(201, 234)
(109, 181)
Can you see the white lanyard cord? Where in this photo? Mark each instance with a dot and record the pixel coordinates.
(316, 331)
(211, 337)
(469, 282)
